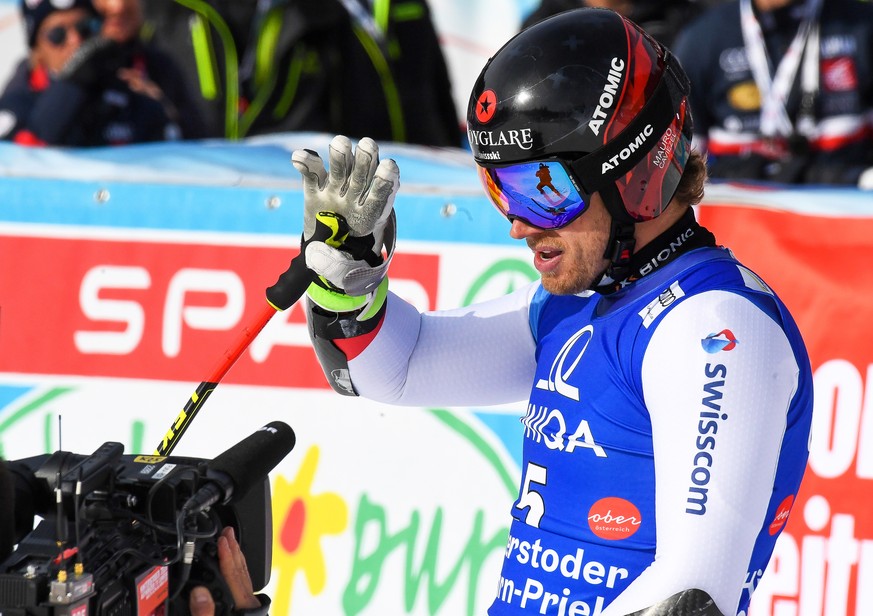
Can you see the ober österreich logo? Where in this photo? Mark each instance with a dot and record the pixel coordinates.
(614, 518)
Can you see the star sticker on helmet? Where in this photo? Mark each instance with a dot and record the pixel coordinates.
(486, 105)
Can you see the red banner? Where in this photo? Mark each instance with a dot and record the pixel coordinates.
(820, 267)
(157, 310)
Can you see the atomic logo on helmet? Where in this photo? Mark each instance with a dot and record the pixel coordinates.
(607, 99)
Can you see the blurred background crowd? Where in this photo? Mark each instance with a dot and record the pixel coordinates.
(782, 90)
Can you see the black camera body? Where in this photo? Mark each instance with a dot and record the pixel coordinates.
(118, 536)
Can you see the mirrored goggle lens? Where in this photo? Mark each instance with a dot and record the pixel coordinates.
(540, 193)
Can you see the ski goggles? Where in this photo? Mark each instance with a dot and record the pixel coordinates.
(543, 193)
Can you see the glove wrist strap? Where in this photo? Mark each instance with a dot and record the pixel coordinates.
(389, 241)
(366, 305)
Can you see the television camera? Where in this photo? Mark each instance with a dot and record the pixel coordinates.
(132, 534)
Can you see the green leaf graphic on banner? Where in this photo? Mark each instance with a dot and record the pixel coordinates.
(504, 276)
(371, 522)
(31, 407)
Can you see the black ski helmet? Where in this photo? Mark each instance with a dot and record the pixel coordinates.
(590, 88)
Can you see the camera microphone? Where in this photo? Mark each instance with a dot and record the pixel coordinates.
(234, 472)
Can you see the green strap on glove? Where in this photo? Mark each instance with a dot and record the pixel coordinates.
(332, 230)
(369, 305)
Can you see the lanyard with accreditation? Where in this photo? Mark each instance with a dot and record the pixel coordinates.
(775, 88)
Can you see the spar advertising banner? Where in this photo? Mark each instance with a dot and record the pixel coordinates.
(126, 274)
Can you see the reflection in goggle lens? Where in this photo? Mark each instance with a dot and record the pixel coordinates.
(540, 193)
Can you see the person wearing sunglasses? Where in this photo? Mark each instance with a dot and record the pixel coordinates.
(669, 391)
(68, 91)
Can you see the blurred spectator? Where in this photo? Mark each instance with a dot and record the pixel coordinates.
(782, 90)
(661, 18)
(67, 92)
(148, 70)
(296, 65)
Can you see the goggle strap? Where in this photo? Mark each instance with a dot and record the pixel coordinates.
(658, 111)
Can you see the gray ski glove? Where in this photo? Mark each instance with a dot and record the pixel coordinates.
(348, 219)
